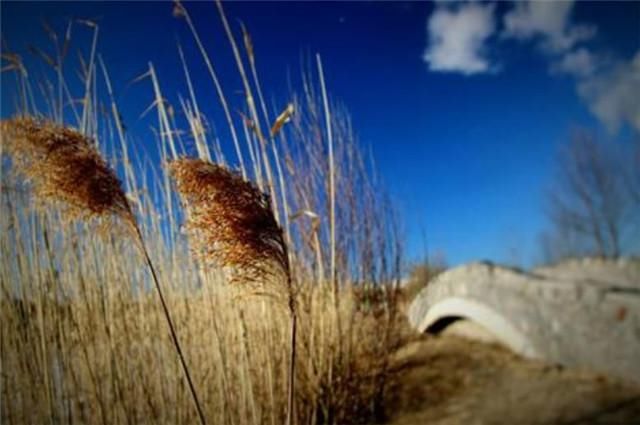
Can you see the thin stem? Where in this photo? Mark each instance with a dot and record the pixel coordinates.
(87, 82)
(216, 82)
(174, 335)
(332, 216)
(292, 347)
(332, 185)
(292, 358)
(252, 110)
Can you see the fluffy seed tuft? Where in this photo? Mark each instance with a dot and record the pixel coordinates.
(230, 221)
(64, 167)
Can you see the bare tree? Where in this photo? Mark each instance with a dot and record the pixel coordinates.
(591, 205)
(632, 172)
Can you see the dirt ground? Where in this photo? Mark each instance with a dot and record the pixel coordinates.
(446, 380)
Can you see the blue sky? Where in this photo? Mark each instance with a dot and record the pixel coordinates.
(464, 105)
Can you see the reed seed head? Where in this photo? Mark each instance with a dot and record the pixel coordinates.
(178, 9)
(64, 167)
(230, 221)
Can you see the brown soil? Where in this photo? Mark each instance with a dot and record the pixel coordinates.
(451, 380)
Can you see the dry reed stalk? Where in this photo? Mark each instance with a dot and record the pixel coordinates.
(332, 211)
(179, 11)
(255, 119)
(194, 117)
(65, 167)
(231, 224)
(130, 176)
(86, 101)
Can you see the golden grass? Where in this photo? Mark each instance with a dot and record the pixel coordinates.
(82, 338)
(108, 358)
(65, 167)
(231, 222)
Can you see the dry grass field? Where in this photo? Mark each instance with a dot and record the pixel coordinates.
(93, 249)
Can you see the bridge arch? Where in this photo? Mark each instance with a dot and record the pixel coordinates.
(446, 311)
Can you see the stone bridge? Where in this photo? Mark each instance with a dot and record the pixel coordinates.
(582, 313)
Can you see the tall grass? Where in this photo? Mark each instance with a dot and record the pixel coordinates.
(232, 224)
(82, 336)
(66, 169)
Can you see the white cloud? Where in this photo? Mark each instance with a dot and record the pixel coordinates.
(609, 87)
(457, 39)
(613, 96)
(578, 63)
(548, 21)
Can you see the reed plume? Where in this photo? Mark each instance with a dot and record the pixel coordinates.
(65, 167)
(231, 223)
